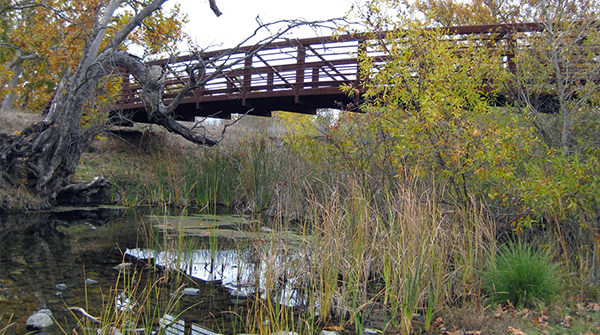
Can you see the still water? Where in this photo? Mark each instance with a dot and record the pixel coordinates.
(94, 258)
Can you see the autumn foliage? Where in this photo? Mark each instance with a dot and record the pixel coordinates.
(55, 32)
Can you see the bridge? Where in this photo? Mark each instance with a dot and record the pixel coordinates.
(299, 76)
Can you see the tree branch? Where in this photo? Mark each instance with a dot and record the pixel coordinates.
(214, 8)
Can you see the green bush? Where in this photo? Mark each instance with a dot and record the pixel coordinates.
(522, 274)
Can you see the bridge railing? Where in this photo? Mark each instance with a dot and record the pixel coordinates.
(290, 68)
(296, 67)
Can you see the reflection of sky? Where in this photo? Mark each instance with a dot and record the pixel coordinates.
(174, 326)
(237, 270)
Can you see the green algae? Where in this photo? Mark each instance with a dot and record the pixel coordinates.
(221, 226)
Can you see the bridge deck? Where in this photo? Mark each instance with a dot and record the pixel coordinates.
(296, 75)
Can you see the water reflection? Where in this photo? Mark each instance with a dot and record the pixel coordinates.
(171, 325)
(47, 258)
(238, 270)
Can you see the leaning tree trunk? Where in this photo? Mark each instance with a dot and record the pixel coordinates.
(45, 154)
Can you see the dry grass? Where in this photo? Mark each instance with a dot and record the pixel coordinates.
(19, 196)
(12, 121)
(150, 165)
(393, 257)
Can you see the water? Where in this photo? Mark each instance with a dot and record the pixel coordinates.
(39, 251)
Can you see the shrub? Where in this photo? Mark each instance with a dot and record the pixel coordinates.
(523, 275)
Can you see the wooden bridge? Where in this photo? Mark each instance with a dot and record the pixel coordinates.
(295, 75)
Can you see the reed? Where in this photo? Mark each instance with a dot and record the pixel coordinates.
(134, 304)
(370, 243)
(402, 256)
(143, 294)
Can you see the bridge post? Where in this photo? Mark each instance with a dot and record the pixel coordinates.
(510, 57)
(358, 87)
(315, 77)
(126, 95)
(270, 81)
(300, 67)
(247, 82)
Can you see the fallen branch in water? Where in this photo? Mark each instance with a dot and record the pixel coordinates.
(84, 313)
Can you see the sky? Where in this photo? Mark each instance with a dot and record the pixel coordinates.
(238, 20)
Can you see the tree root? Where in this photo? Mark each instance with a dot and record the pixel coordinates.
(96, 191)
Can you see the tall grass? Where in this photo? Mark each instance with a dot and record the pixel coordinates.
(255, 173)
(134, 304)
(387, 248)
(143, 295)
(5, 324)
(372, 244)
(404, 255)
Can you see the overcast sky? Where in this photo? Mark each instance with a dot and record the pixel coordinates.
(239, 17)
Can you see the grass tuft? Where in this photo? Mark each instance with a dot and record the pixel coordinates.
(523, 275)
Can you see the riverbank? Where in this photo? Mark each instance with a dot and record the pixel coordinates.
(379, 241)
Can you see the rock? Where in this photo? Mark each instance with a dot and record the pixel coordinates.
(285, 332)
(238, 297)
(123, 303)
(191, 291)
(329, 332)
(113, 331)
(61, 287)
(369, 331)
(41, 319)
(91, 282)
(238, 294)
(123, 267)
(266, 230)
(45, 311)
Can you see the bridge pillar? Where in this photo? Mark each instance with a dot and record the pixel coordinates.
(300, 68)
(247, 81)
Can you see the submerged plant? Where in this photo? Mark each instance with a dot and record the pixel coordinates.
(523, 275)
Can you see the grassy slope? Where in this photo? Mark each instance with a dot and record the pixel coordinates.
(148, 165)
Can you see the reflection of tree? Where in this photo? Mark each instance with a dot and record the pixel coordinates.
(36, 254)
(33, 256)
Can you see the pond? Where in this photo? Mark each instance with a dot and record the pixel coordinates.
(191, 274)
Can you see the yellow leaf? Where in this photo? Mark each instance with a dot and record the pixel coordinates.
(514, 331)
